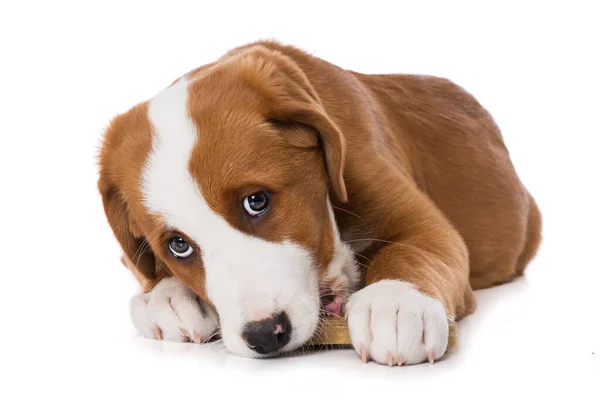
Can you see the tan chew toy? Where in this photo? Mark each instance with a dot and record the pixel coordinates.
(334, 331)
(331, 331)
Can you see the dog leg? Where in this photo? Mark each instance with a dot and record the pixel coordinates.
(417, 284)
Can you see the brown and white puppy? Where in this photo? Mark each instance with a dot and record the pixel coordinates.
(259, 190)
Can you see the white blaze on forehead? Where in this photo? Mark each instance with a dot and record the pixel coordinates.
(244, 274)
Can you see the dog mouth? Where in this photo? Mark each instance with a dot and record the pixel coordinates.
(332, 303)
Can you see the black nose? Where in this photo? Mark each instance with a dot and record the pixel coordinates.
(268, 335)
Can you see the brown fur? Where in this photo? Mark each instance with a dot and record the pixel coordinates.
(414, 165)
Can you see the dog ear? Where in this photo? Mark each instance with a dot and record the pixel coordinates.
(121, 151)
(330, 139)
(127, 232)
(292, 99)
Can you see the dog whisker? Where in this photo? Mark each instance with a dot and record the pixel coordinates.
(349, 212)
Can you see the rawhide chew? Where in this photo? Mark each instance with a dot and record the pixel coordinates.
(331, 331)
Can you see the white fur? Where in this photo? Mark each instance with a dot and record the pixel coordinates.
(171, 306)
(245, 275)
(390, 318)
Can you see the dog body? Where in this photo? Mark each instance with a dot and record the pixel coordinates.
(261, 190)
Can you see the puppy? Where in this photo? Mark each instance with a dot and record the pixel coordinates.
(259, 191)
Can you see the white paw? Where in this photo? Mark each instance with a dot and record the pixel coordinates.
(393, 323)
(173, 312)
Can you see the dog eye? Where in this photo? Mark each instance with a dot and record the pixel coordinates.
(180, 248)
(256, 203)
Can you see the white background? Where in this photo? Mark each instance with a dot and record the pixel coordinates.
(67, 69)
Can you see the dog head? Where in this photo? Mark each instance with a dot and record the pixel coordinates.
(224, 181)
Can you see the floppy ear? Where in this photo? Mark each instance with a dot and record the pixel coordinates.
(125, 142)
(127, 232)
(331, 139)
(292, 99)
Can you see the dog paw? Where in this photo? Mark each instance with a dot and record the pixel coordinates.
(173, 312)
(393, 323)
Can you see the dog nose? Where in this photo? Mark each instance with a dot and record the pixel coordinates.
(268, 335)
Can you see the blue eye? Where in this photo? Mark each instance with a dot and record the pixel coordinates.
(256, 203)
(180, 248)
